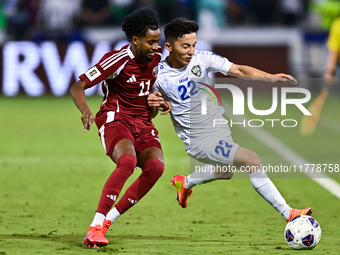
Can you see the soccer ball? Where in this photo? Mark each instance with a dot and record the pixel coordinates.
(302, 232)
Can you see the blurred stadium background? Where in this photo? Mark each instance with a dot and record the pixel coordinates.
(48, 164)
(46, 44)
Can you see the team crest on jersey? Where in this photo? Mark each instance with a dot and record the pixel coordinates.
(155, 71)
(196, 70)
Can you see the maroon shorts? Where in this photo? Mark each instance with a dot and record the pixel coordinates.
(142, 137)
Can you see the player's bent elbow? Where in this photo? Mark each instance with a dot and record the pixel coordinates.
(79, 85)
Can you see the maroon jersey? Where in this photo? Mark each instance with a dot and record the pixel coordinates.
(126, 85)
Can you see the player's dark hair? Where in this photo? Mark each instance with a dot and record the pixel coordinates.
(178, 27)
(138, 22)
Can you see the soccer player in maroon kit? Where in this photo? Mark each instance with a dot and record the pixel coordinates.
(124, 119)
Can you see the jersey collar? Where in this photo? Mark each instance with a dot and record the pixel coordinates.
(130, 52)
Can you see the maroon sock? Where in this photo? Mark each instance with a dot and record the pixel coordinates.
(125, 166)
(151, 171)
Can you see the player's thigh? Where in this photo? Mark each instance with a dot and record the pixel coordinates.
(149, 153)
(123, 146)
(117, 139)
(148, 146)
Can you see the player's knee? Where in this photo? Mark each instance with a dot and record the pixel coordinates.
(154, 168)
(128, 162)
(158, 168)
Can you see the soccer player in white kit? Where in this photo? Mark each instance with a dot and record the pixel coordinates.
(182, 80)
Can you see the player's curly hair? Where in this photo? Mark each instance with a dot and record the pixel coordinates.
(138, 22)
(179, 27)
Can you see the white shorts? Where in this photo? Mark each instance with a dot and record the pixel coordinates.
(213, 149)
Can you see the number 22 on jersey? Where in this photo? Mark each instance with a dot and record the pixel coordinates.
(187, 90)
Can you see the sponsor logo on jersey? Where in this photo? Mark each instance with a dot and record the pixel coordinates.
(132, 79)
(92, 73)
(196, 70)
(155, 71)
(183, 80)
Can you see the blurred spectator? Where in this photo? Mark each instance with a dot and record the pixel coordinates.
(291, 11)
(168, 10)
(184, 8)
(95, 13)
(18, 19)
(164, 10)
(237, 11)
(33, 8)
(211, 14)
(121, 8)
(334, 51)
(264, 12)
(57, 19)
(328, 10)
(2, 16)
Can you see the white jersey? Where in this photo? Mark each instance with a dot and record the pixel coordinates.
(186, 88)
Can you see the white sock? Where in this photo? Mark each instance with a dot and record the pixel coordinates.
(266, 188)
(203, 175)
(112, 215)
(98, 219)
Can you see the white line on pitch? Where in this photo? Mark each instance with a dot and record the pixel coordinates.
(330, 124)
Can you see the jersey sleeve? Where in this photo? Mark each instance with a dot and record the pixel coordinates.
(334, 36)
(216, 63)
(155, 87)
(109, 65)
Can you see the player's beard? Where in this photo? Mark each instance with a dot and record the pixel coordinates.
(145, 56)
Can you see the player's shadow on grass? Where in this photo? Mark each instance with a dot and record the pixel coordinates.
(73, 241)
(76, 239)
(50, 237)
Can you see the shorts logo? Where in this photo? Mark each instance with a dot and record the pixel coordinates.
(196, 70)
(155, 71)
(92, 73)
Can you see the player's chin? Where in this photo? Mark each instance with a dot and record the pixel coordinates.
(149, 57)
(186, 62)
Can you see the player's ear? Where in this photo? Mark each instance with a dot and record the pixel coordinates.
(135, 40)
(168, 46)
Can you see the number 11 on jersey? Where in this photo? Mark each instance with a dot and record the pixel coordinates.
(146, 92)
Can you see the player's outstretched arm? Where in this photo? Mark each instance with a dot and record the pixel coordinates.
(251, 73)
(79, 99)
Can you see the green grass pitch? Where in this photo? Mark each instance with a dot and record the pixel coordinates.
(52, 173)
